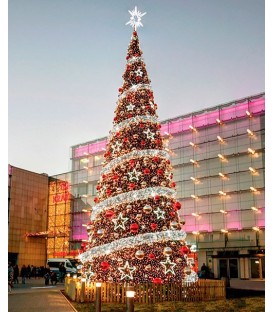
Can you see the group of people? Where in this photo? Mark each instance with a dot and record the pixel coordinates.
(27, 272)
(52, 276)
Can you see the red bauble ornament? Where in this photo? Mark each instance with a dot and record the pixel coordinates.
(177, 206)
(153, 226)
(157, 280)
(109, 214)
(134, 227)
(151, 256)
(103, 176)
(172, 213)
(104, 265)
(184, 250)
(125, 140)
(159, 172)
(158, 126)
(120, 90)
(156, 159)
(132, 186)
(173, 184)
(98, 187)
(130, 115)
(135, 33)
(127, 57)
(157, 197)
(115, 177)
(141, 125)
(132, 163)
(146, 171)
(96, 200)
(108, 192)
(143, 142)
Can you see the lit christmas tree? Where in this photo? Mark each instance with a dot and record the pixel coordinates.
(135, 235)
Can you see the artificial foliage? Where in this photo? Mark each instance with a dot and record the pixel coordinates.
(135, 234)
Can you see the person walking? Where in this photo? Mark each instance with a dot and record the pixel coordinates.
(23, 273)
(62, 271)
(53, 278)
(15, 274)
(10, 276)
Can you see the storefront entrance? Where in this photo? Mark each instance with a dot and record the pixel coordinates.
(228, 268)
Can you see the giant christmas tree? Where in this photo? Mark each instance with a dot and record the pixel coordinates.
(134, 233)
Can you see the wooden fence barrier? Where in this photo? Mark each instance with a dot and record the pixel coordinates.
(202, 290)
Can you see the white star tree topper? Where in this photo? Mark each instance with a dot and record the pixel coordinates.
(135, 19)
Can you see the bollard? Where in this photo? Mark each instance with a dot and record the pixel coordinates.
(82, 299)
(130, 294)
(98, 297)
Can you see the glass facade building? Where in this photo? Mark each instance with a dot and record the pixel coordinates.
(218, 158)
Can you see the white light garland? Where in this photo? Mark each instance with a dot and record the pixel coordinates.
(131, 242)
(191, 278)
(135, 88)
(132, 196)
(134, 154)
(135, 59)
(129, 121)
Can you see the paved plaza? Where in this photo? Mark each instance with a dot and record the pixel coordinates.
(35, 296)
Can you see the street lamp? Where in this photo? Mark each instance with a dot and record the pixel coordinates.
(98, 297)
(130, 294)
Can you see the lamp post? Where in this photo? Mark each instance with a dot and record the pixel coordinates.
(83, 289)
(98, 297)
(130, 294)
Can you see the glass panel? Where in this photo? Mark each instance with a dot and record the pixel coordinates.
(233, 268)
(223, 267)
(255, 268)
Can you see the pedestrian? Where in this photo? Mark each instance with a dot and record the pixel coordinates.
(15, 274)
(23, 273)
(10, 276)
(205, 270)
(53, 278)
(28, 271)
(47, 277)
(62, 271)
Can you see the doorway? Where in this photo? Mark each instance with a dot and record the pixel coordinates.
(228, 268)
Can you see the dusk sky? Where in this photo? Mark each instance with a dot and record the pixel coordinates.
(66, 60)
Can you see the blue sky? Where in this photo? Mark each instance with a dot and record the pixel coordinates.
(66, 60)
